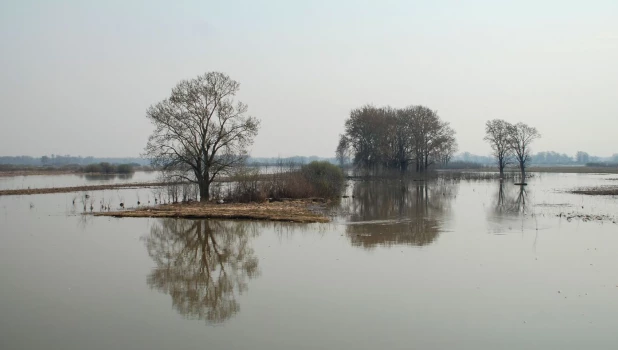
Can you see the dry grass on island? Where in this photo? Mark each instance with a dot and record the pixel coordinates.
(300, 210)
(294, 195)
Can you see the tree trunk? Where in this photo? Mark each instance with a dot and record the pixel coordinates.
(522, 167)
(204, 190)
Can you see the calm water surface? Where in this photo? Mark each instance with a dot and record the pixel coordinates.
(67, 180)
(404, 265)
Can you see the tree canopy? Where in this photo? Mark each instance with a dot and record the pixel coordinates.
(201, 131)
(395, 138)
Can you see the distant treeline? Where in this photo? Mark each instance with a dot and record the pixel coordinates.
(464, 160)
(99, 168)
(602, 165)
(544, 158)
(58, 160)
(257, 161)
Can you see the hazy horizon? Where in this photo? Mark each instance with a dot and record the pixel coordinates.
(78, 77)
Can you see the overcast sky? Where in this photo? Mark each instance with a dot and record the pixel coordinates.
(76, 77)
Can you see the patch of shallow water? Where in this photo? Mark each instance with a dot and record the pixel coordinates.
(68, 180)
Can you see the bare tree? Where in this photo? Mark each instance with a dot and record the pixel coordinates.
(497, 134)
(200, 130)
(342, 153)
(520, 137)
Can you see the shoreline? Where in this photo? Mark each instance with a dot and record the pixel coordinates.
(567, 169)
(299, 211)
(51, 172)
(32, 191)
(598, 191)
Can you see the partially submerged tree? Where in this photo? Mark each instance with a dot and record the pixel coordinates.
(497, 133)
(201, 131)
(520, 137)
(388, 138)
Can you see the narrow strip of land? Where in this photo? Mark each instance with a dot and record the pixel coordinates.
(598, 191)
(28, 172)
(573, 169)
(29, 191)
(302, 211)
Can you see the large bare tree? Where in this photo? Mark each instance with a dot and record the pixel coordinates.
(201, 131)
(497, 134)
(520, 138)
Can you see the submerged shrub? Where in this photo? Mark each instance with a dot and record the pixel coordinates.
(92, 168)
(316, 179)
(326, 179)
(107, 168)
(246, 187)
(124, 169)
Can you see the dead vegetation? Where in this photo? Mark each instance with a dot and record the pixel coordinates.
(301, 211)
(586, 217)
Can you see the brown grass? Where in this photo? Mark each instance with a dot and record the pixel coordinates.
(302, 211)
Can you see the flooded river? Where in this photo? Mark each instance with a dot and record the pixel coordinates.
(68, 180)
(441, 264)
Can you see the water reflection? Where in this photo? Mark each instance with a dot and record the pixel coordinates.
(398, 211)
(105, 177)
(203, 265)
(511, 200)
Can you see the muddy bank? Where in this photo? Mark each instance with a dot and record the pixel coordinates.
(597, 191)
(30, 191)
(302, 211)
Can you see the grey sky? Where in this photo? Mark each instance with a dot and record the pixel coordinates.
(77, 76)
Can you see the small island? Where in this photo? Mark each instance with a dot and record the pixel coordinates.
(292, 210)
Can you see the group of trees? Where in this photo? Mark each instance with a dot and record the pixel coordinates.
(201, 131)
(107, 168)
(389, 138)
(554, 158)
(510, 142)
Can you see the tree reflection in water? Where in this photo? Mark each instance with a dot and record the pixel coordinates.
(511, 200)
(398, 211)
(202, 265)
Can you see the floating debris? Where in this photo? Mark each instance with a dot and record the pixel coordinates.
(586, 217)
